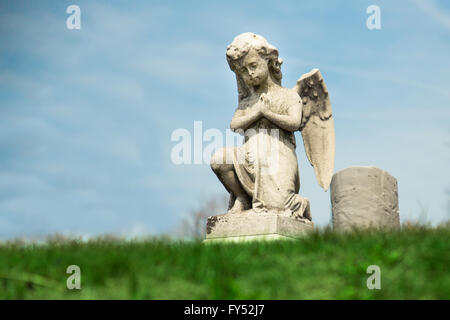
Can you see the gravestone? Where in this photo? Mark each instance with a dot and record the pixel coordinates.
(364, 197)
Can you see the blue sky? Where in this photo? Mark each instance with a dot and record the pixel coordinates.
(86, 115)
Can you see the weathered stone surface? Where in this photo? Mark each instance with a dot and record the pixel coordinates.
(256, 226)
(364, 197)
(262, 173)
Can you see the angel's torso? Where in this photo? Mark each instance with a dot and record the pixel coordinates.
(279, 102)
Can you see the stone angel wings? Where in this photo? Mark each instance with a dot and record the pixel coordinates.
(317, 126)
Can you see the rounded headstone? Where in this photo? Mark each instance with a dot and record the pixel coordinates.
(364, 197)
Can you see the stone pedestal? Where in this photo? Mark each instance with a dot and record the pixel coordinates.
(255, 226)
(364, 197)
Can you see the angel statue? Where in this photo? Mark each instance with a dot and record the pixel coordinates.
(262, 174)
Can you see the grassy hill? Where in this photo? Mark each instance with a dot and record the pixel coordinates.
(414, 265)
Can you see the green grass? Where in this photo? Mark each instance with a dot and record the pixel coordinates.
(414, 265)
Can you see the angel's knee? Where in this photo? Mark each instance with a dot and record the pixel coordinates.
(222, 160)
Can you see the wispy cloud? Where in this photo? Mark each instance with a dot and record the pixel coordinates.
(432, 9)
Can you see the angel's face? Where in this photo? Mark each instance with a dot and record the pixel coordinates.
(253, 69)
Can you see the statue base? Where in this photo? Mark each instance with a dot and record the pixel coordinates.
(248, 226)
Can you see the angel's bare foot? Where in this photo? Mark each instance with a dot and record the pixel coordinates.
(299, 207)
(240, 204)
(304, 211)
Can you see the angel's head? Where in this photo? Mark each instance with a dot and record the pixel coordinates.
(253, 60)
